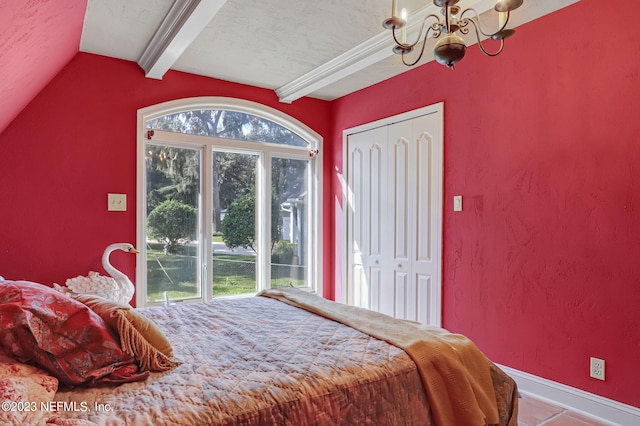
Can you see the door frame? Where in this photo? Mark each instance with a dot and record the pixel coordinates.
(435, 296)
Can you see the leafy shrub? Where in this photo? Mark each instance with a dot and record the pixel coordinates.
(283, 252)
(172, 221)
(239, 223)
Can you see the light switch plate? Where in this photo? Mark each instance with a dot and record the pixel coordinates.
(457, 203)
(117, 202)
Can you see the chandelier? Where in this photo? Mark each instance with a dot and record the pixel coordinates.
(450, 48)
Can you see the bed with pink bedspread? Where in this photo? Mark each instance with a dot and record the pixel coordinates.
(258, 361)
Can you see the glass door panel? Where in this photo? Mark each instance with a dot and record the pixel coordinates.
(290, 210)
(173, 232)
(234, 224)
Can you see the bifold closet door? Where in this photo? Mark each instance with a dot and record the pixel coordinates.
(412, 206)
(393, 219)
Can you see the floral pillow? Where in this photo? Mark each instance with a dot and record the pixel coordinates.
(41, 326)
(27, 392)
(22, 389)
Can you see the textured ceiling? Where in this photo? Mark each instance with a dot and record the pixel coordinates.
(276, 43)
(261, 43)
(318, 48)
(37, 39)
(280, 40)
(121, 29)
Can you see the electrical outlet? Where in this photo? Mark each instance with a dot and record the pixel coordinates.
(596, 369)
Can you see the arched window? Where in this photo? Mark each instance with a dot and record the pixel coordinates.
(229, 201)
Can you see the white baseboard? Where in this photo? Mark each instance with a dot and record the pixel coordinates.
(599, 408)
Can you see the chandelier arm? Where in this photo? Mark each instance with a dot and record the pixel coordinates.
(424, 44)
(446, 19)
(477, 25)
(480, 45)
(424, 21)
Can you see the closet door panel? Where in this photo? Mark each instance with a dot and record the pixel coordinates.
(376, 176)
(424, 199)
(367, 216)
(356, 232)
(401, 199)
(421, 298)
(375, 289)
(377, 171)
(360, 287)
(427, 210)
(400, 290)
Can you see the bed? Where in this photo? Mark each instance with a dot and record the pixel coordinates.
(259, 361)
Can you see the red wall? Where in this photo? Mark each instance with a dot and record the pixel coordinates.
(541, 268)
(75, 143)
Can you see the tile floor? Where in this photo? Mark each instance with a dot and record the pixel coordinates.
(534, 412)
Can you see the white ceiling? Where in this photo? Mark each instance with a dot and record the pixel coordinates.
(318, 48)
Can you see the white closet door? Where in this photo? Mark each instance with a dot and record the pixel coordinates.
(367, 183)
(394, 218)
(417, 212)
(400, 205)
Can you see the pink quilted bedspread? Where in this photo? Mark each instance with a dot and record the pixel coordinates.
(258, 361)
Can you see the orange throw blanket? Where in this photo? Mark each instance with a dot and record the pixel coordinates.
(455, 374)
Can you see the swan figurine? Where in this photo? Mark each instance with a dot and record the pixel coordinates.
(117, 287)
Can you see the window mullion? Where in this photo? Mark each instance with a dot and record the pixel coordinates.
(263, 220)
(207, 224)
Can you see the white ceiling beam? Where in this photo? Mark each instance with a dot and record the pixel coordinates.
(373, 50)
(183, 23)
(380, 47)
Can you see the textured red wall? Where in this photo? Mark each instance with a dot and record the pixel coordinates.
(75, 143)
(37, 38)
(541, 268)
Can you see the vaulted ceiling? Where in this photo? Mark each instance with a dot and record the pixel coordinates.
(323, 49)
(37, 39)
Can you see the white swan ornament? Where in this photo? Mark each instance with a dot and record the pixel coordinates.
(117, 287)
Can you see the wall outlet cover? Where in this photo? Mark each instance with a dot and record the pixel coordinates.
(117, 202)
(596, 368)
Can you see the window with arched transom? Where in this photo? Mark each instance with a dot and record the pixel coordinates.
(229, 201)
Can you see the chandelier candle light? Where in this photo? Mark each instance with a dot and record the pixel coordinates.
(450, 48)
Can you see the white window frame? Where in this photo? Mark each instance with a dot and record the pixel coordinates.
(207, 144)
